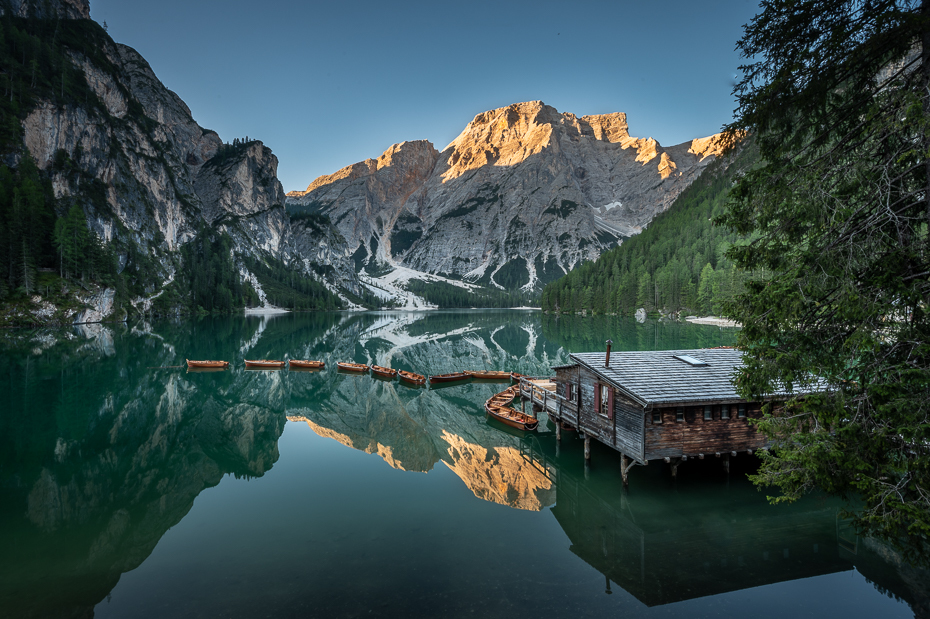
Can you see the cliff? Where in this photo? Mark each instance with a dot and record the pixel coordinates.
(519, 198)
(148, 178)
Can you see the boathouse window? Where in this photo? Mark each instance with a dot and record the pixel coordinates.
(708, 413)
(604, 400)
(569, 391)
(656, 416)
(741, 411)
(680, 414)
(725, 411)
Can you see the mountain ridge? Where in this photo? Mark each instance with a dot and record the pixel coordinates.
(523, 183)
(109, 138)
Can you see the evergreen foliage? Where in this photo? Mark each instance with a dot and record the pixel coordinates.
(289, 289)
(837, 95)
(677, 264)
(36, 66)
(210, 276)
(27, 220)
(448, 295)
(230, 152)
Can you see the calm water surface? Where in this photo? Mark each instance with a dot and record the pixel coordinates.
(132, 488)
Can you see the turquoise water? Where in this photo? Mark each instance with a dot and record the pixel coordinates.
(132, 488)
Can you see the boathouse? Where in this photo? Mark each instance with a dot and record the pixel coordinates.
(654, 405)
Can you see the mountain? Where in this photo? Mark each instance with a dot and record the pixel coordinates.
(519, 198)
(102, 133)
(678, 264)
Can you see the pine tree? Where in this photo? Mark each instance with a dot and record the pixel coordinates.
(837, 96)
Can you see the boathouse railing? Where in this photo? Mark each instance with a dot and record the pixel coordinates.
(556, 406)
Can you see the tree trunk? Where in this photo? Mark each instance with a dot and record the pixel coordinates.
(925, 83)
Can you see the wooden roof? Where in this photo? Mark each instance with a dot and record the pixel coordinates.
(658, 377)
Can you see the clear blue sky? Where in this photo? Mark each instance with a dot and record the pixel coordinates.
(328, 84)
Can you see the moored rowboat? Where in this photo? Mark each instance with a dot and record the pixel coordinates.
(207, 364)
(352, 367)
(448, 378)
(503, 398)
(299, 363)
(384, 372)
(488, 374)
(263, 363)
(511, 417)
(411, 377)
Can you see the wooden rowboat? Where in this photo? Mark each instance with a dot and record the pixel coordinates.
(503, 398)
(515, 377)
(352, 367)
(411, 377)
(207, 364)
(512, 417)
(303, 364)
(264, 363)
(383, 372)
(448, 378)
(489, 374)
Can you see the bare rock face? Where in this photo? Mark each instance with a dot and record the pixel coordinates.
(48, 9)
(520, 197)
(366, 199)
(147, 175)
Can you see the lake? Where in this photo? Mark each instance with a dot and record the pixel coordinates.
(130, 486)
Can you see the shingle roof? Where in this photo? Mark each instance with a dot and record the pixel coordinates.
(657, 377)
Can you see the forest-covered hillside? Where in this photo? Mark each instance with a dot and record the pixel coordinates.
(677, 264)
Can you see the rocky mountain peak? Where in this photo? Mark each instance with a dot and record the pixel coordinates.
(49, 9)
(397, 160)
(520, 197)
(503, 137)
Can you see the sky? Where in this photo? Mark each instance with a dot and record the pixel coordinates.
(325, 85)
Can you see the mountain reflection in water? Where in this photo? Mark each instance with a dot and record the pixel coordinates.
(106, 445)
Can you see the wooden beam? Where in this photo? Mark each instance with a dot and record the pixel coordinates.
(733, 453)
(717, 454)
(749, 451)
(700, 456)
(668, 460)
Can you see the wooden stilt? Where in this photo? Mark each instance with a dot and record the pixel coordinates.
(558, 430)
(587, 447)
(726, 462)
(674, 465)
(625, 465)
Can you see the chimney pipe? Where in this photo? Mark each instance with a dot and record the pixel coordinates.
(607, 359)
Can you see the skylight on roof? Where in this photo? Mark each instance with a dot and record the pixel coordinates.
(690, 360)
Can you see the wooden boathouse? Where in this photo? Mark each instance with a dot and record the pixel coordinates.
(653, 405)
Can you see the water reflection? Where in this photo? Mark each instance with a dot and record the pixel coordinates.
(710, 533)
(107, 443)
